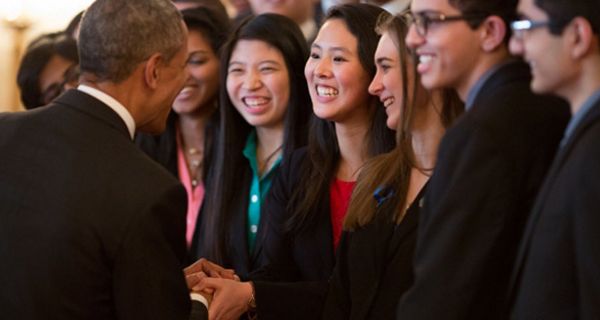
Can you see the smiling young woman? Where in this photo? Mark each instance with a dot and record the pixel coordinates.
(303, 214)
(264, 111)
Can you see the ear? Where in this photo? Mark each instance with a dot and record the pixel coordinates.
(493, 30)
(152, 70)
(582, 38)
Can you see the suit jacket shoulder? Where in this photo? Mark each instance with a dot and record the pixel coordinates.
(561, 238)
(101, 217)
(490, 166)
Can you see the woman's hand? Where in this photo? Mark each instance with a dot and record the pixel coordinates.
(204, 268)
(230, 297)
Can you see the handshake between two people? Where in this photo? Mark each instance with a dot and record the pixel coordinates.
(228, 297)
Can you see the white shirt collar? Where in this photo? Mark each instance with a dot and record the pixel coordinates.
(113, 104)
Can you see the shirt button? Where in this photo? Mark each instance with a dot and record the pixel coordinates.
(254, 198)
(253, 228)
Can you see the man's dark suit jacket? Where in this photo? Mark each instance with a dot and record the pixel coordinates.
(90, 227)
(490, 166)
(295, 265)
(557, 274)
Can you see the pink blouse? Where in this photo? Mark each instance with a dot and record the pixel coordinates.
(195, 195)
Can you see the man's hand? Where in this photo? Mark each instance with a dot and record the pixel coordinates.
(204, 268)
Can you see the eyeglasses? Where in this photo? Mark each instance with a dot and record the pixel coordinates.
(519, 27)
(70, 77)
(423, 20)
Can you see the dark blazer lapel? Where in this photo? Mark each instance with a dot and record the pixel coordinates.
(557, 164)
(239, 234)
(93, 107)
(258, 244)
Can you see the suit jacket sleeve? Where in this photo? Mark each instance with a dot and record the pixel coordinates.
(199, 311)
(587, 237)
(148, 277)
(461, 226)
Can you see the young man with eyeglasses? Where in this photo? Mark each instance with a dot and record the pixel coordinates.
(490, 164)
(557, 270)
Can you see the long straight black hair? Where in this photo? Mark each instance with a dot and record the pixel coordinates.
(229, 165)
(323, 149)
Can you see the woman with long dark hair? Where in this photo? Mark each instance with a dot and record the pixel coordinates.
(374, 259)
(309, 198)
(185, 147)
(264, 110)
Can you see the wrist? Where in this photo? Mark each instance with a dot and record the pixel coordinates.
(251, 305)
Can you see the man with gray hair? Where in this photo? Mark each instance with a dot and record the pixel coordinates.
(90, 227)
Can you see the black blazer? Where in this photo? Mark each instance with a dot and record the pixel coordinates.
(374, 266)
(162, 148)
(557, 271)
(490, 166)
(90, 227)
(296, 265)
(237, 255)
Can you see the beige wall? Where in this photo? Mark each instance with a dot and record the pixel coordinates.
(46, 16)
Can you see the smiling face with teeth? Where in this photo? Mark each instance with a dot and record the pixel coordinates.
(200, 90)
(449, 53)
(337, 81)
(258, 83)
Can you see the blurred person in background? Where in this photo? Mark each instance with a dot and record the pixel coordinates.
(217, 7)
(301, 11)
(49, 67)
(185, 147)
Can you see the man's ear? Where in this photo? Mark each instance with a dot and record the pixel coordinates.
(493, 30)
(581, 37)
(152, 69)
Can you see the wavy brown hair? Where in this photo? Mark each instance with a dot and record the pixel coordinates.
(390, 172)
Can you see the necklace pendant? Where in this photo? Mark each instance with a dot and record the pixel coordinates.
(194, 182)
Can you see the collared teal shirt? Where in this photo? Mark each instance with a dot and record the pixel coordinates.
(258, 188)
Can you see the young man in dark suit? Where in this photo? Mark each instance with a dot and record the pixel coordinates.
(490, 164)
(556, 276)
(90, 227)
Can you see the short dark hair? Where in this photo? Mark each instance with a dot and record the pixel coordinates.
(37, 55)
(213, 27)
(505, 9)
(116, 35)
(561, 12)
